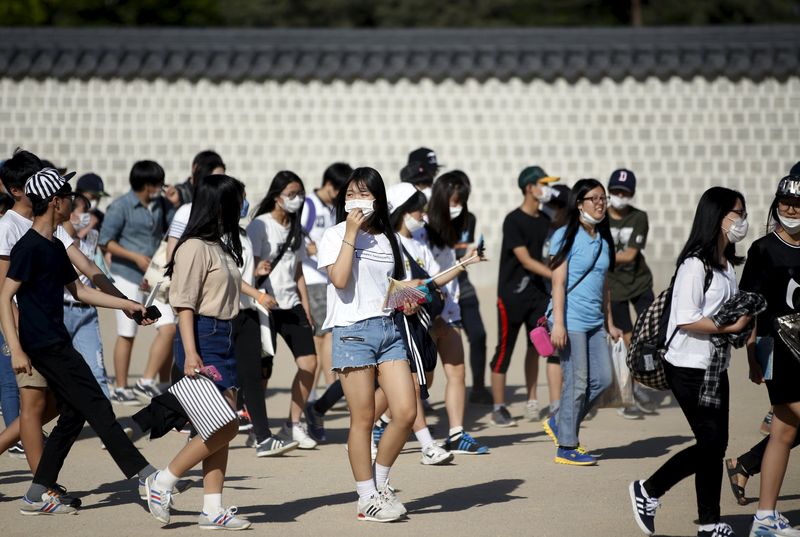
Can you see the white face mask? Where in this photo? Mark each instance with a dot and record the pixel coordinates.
(428, 193)
(412, 224)
(619, 202)
(292, 205)
(83, 221)
(790, 225)
(738, 230)
(546, 194)
(455, 212)
(367, 206)
(589, 219)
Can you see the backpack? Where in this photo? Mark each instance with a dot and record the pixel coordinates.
(649, 342)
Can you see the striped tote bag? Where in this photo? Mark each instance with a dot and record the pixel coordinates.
(205, 406)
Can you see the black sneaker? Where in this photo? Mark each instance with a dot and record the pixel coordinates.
(125, 396)
(644, 508)
(720, 530)
(480, 396)
(502, 418)
(17, 451)
(66, 498)
(145, 392)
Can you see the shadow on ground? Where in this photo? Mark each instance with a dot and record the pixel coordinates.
(644, 449)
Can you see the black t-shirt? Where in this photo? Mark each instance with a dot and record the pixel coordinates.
(43, 268)
(773, 270)
(515, 282)
(466, 289)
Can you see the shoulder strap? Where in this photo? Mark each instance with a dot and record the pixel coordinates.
(282, 250)
(311, 215)
(589, 270)
(709, 277)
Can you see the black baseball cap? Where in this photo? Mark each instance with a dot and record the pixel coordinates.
(622, 179)
(91, 182)
(426, 158)
(789, 187)
(560, 195)
(795, 169)
(414, 173)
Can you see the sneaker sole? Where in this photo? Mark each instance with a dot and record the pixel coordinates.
(504, 425)
(636, 512)
(549, 432)
(277, 452)
(365, 518)
(430, 462)
(130, 403)
(461, 452)
(35, 513)
(247, 527)
(568, 462)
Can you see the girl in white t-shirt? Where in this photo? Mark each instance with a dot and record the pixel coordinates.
(704, 281)
(360, 254)
(276, 235)
(447, 219)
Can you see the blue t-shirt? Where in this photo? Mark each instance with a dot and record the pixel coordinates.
(584, 304)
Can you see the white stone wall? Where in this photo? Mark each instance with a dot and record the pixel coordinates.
(679, 137)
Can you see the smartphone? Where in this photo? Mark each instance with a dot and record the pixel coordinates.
(152, 312)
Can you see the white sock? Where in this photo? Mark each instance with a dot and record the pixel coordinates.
(366, 489)
(212, 504)
(532, 402)
(165, 480)
(381, 474)
(424, 437)
(706, 527)
(147, 382)
(456, 430)
(764, 513)
(499, 406)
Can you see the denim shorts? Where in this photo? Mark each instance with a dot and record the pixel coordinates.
(367, 343)
(214, 341)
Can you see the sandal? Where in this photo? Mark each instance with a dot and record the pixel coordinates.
(733, 472)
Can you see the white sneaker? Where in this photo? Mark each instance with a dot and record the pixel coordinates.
(532, 410)
(777, 525)
(224, 520)
(376, 509)
(391, 498)
(434, 454)
(297, 433)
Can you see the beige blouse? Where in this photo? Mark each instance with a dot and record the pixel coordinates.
(206, 280)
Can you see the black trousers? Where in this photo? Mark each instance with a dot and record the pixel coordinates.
(247, 347)
(704, 458)
(751, 461)
(79, 400)
(476, 335)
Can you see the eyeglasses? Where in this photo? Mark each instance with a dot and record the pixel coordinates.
(741, 212)
(785, 206)
(596, 199)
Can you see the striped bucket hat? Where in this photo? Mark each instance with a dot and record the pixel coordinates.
(46, 182)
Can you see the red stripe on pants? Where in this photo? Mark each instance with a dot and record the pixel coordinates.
(503, 336)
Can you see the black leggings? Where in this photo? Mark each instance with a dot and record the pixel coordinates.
(247, 346)
(476, 334)
(704, 458)
(751, 461)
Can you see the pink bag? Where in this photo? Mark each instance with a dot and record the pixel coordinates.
(540, 338)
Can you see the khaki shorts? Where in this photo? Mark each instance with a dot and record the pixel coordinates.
(34, 380)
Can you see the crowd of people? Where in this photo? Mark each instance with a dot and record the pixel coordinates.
(368, 287)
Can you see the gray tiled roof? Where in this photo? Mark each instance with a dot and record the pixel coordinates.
(754, 52)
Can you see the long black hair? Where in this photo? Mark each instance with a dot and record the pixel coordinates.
(573, 223)
(703, 242)
(378, 222)
(416, 202)
(216, 206)
(281, 180)
(443, 232)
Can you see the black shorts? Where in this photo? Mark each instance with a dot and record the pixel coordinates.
(621, 310)
(784, 387)
(295, 329)
(511, 315)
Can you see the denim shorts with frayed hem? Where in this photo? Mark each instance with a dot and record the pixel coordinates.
(367, 343)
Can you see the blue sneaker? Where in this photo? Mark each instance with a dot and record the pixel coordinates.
(771, 526)
(550, 427)
(574, 457)
(377, 431)
(463, 444)
(316, 423)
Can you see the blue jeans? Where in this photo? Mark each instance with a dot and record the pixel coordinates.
(586, 366)
(84, 328)
(213, 339)
(9, 393)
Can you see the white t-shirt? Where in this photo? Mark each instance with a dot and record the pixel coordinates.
(248, 271)
(324, 217)
(88, 247)
(13, 226)
(444, 258)
(179, 221)
(267, 236)
(366, 289)
(419, 252)
(689, 304)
